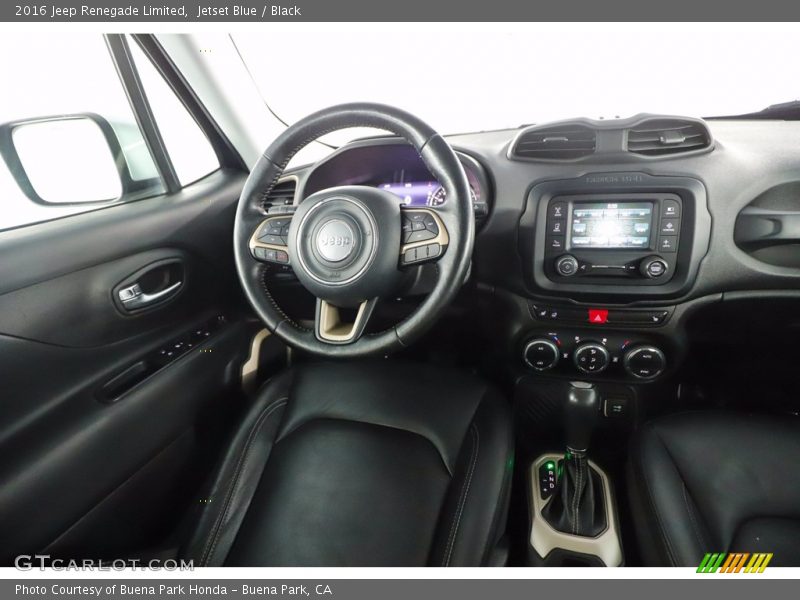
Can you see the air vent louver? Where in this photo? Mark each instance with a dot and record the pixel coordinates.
(282, 194)
(659, 137)
(560, 142)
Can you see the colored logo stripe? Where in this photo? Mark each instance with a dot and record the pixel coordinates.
(758, 563)
(734, 562)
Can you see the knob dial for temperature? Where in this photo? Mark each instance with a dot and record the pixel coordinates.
(591, 358)
(541, 354)
(644, 362)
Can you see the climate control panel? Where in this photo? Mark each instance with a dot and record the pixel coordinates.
(573, 353)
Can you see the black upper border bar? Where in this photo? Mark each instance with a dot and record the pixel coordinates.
(254, 11)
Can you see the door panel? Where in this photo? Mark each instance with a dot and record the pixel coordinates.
(92, 411)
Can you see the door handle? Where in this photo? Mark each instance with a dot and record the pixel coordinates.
(133, 298)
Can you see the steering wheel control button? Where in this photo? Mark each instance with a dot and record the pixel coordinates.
(430, 224)
(420, 236)
(273, 232)
(335, 240)
(644, 362)
(274, 240)
(591, 358)
(421, 253)
(541, 354)
(567, 265)
(419, 227)
(276, 226)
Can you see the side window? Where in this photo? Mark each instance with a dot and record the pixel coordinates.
(68, 137)
(191, 153)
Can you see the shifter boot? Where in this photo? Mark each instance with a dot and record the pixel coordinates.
(577, 505)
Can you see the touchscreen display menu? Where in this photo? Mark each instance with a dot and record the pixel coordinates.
(611, 225)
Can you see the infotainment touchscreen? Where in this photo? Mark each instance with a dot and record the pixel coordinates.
(611, 225)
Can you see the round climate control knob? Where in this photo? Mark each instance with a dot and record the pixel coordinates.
(644, 362)
(567, 265)
(541, 354)
(653, 267)
(591, 358)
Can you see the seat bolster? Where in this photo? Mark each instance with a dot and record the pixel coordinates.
(223, 506)
(476, 506)
(669, 528)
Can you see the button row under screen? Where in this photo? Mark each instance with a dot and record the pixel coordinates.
(610, 317)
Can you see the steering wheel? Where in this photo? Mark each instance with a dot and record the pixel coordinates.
(349, 245)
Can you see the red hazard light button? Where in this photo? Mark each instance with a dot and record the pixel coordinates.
(598, 316)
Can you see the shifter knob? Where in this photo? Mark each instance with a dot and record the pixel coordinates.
(580, 415)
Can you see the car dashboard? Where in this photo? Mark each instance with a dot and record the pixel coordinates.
(597, 241)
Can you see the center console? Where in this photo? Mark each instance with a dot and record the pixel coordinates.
(572, 511)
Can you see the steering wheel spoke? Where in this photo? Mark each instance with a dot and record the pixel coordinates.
(269, 242)
(425, 237)
(333, 327)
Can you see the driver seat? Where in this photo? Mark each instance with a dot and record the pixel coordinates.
(362, 464)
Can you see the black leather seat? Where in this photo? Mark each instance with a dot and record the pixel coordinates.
(362, 464)
(716, 482)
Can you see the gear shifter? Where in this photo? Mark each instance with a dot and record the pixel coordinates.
(577, 505)
(580, 415)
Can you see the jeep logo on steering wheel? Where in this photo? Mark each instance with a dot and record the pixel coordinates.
(335, 240)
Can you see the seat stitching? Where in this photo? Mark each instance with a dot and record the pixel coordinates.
(651, 500)
(692, 517)
(263, 418)
(215, 530)
(576, 522)
(464, 493)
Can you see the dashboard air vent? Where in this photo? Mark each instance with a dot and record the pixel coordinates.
(660, 137)
(558, 142)
(282, 193)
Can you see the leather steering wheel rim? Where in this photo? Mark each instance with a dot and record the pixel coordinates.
(456, 215)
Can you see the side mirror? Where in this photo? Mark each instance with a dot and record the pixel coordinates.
(67, 159)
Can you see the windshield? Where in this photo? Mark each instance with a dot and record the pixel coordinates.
(464, 78)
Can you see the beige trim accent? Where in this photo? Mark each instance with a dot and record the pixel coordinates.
(332, 329)
(544, 538)
(443, 239)
(250, 367)
(296, 179)
(254, 243)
